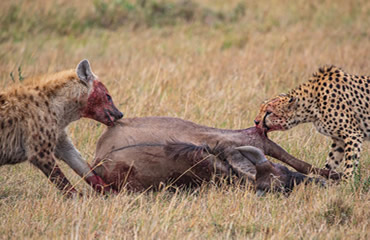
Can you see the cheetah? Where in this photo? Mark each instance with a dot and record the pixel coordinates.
(337, 103)
(34, 116)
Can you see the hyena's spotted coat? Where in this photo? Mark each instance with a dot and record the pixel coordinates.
(34, 115)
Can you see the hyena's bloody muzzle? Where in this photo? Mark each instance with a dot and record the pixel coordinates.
(100, 106)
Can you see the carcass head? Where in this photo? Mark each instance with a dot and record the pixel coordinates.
(273, 177)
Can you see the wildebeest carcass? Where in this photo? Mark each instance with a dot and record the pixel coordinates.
(143, 153)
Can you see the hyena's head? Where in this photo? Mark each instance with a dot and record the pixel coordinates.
(99, 104)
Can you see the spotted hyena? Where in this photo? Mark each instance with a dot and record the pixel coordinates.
(34, 117)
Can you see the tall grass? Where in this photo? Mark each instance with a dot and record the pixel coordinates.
(213, 71)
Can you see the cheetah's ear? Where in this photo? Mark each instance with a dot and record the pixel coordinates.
(84, 72)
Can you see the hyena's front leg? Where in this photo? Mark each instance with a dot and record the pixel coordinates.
(47, 164)
(67, 152)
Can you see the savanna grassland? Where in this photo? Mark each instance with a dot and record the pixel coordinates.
(212, 62)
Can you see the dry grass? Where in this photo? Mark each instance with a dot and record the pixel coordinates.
(215, 74)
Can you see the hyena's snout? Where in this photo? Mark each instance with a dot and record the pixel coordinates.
(114, 113)
(119, 115)
(111, 114)
(100, 106)
(111, 111)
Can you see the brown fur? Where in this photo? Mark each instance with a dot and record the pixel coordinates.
(33, 118)
(143, 153)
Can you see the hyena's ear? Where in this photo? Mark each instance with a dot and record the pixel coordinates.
(84, 72)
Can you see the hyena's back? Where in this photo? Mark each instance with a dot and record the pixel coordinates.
(28, 117)
(12, 131)
(34, 116)
(14, 150)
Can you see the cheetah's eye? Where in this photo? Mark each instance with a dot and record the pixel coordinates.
(291, 99)
(266, 114)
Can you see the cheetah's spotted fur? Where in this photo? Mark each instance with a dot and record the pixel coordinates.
(336, 102)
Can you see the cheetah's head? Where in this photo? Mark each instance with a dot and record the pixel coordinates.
(277, 113)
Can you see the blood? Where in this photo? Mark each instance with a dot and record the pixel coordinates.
(98, 105)
(99, 185)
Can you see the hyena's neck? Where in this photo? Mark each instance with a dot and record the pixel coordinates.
(66, 111)
(68, 102)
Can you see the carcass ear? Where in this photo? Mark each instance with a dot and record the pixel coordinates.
(240, 165)
(84, 72)
(253, 154)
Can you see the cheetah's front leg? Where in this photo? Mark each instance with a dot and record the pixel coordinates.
(352, 153)
(336, 154)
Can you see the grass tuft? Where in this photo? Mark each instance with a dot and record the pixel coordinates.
(338, 212)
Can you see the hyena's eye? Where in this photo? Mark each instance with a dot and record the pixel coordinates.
(109, 97)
